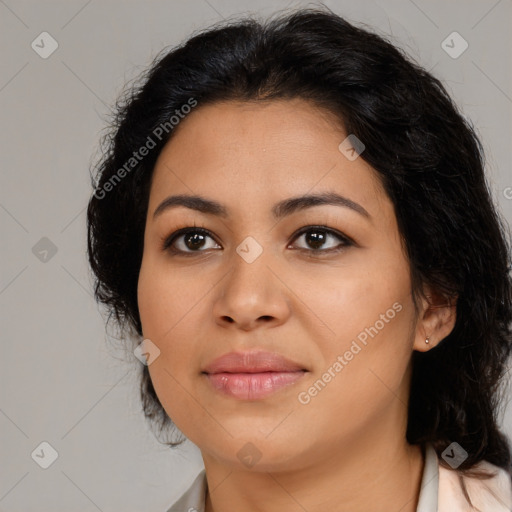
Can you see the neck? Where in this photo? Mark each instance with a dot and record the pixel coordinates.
(375, 477)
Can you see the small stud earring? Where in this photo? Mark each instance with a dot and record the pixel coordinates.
(427, 340)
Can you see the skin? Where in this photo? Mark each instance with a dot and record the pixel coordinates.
(346, 449)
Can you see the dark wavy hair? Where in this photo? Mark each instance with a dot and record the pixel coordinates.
(426, 154)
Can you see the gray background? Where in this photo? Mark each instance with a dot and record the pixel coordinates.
(60, 380)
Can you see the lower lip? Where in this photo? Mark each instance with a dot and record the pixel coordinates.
(252, 386)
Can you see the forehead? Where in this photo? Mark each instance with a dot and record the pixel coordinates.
(248, 153)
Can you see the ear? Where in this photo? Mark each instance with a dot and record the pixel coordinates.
(436, 319)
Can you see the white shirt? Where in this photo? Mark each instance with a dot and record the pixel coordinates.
(440, 490)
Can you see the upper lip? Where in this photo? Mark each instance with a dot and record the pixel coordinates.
(252, 362)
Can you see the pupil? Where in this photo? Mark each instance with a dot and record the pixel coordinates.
(194, 241)
(315, 238)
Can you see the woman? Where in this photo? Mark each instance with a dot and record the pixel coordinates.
(292, 225)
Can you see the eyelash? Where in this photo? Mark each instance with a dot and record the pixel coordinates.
(346, 241)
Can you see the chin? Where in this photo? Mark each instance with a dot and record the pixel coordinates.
(256, 452)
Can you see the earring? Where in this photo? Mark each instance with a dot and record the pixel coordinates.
(427, 340)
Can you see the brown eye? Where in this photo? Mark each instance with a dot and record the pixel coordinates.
(188, 240)
(316, 239)
(320, 239)
(194, 240)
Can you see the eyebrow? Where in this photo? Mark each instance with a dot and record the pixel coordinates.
(279, 210)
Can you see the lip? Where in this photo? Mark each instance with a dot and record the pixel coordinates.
(252, 362)
(252, 375)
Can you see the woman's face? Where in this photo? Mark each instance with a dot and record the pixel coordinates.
(335, 299)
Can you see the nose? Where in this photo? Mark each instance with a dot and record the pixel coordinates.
(251, 296)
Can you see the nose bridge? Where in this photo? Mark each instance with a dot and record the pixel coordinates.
(250, 290)
(250, 274)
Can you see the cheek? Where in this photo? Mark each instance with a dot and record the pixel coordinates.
(165, 299)
(371, 317)
(350, 300)
(363, 368)
(169, 308)
(159, 312)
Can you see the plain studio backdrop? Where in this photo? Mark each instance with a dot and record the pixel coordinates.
(60, 383)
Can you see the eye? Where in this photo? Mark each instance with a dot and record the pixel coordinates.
(189, 240)
(317, 236)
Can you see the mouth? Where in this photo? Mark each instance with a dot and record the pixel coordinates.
(252, 375)
(253, 385)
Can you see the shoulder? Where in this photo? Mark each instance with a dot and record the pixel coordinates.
(487, 495)
(193, 498)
